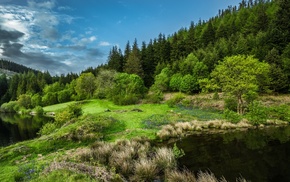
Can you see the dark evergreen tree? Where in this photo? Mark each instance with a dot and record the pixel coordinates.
(133, 65)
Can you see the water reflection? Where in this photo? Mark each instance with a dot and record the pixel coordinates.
(15, 128)
(257, 155)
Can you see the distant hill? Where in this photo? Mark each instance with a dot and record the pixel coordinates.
(8, 73)
(10, 68)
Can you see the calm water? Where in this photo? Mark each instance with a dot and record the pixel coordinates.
(257, 155)
(15, 128)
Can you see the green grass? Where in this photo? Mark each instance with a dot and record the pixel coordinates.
(125, 122)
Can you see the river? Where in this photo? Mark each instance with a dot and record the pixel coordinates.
(15, 128)
(258, 155)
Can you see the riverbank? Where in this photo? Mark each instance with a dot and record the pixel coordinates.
(72, 151)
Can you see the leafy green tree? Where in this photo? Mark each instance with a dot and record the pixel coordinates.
(49, 99)
(104, 83)
(127, 89)
(36, 100)
(85, 86)
(188, 84)
(239, 75)
(175, 82)
(162, 80)
(24, 100)
(64, 96)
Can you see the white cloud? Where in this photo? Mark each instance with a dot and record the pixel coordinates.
(104, 43)
(44, 5)
(35, 40)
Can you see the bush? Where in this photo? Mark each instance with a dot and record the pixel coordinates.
(178, 153)
(46, 129)
(38, 110)
(232, 116)
(231, 104)
(280, 112)
(10, 107)
(258, 114)
(154, 97)
(63, 117)
(75, 109)
(176, 99)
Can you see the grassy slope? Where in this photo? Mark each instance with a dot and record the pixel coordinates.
(124, 114)
(43, 150)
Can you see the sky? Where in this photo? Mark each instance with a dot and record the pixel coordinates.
(62, 36)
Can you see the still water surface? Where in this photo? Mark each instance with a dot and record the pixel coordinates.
(258, 155)
(15, 128)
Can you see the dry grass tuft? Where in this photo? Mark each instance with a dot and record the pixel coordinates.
(174, 176)
(165, 159)
(98, 173)
(145, 170)
(208, 177)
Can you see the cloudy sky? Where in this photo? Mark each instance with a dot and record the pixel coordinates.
(64, 36)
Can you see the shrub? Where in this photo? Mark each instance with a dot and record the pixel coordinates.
(10, 107)
(154, 97)
(75, 109)
(258, 114)
(62, 117)
(231, 104)
(178, 153)
(38, 110)
(48, 128)
(280, 112)
(232, 116)
(176, 99)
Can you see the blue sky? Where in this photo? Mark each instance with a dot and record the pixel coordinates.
(64, 36)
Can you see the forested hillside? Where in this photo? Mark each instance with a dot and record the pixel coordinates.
(183, 61)
(259, 28)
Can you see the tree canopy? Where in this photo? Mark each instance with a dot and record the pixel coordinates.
(239, 76)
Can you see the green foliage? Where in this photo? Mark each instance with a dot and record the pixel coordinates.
(162, 80)
(63, 96)
(232, 116)
(36, 100)
(24, 100)
(238, 76)
(280, 112)
(231, 103)
(188, 84)
(127, 89)
(38, 110)
(257, 113)
(154, 97)
(62, 117)
(85, 85)
(10, 107)
(50, 98)
(178, 153)
(47, 129)
(104, 83)
(75, 109)
(176, 99)
(175, 82)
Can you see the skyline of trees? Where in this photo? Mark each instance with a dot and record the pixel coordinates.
(178, 62)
